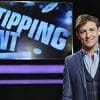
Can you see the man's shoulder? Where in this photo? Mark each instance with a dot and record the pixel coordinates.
(73, 57)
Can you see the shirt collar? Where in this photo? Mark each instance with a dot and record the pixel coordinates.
(84, 52)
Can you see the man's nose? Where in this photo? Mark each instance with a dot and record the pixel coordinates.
(88, 34)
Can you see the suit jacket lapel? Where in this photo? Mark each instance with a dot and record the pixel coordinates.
(80, 66)
(81, 69)
(99, 74)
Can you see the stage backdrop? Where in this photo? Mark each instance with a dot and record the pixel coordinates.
(35, 30)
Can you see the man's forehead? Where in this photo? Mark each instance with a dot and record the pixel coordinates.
(89, 24)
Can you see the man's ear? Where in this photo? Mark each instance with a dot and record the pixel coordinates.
(78, 36)
(99, 31)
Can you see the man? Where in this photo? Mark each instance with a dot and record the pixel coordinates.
(82, 69)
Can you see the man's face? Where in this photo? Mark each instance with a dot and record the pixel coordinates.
(88, 35)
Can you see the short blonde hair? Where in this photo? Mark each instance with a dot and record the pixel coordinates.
(83, 19)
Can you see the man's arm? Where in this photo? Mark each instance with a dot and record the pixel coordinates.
(67, 86)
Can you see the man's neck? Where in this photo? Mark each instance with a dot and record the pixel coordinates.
(91, 50)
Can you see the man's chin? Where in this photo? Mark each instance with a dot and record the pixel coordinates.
(90, 47)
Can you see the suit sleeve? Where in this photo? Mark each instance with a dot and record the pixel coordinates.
(67, 86)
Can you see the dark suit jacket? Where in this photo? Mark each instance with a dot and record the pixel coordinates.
(74, 83)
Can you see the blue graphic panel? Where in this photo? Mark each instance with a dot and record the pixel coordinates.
(35, 30)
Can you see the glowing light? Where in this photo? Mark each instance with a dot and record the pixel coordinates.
(49, 7)
(36, 81)
(29, 3)
(12, 3)
(31, 69)
(19, 55)
(37, 51)
(68, 19)
(69, 14)
(41, 6)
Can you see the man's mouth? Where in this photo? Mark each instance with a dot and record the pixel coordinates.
(89, 40)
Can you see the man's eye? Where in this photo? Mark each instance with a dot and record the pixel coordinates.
(81, 32)
(92, 29)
